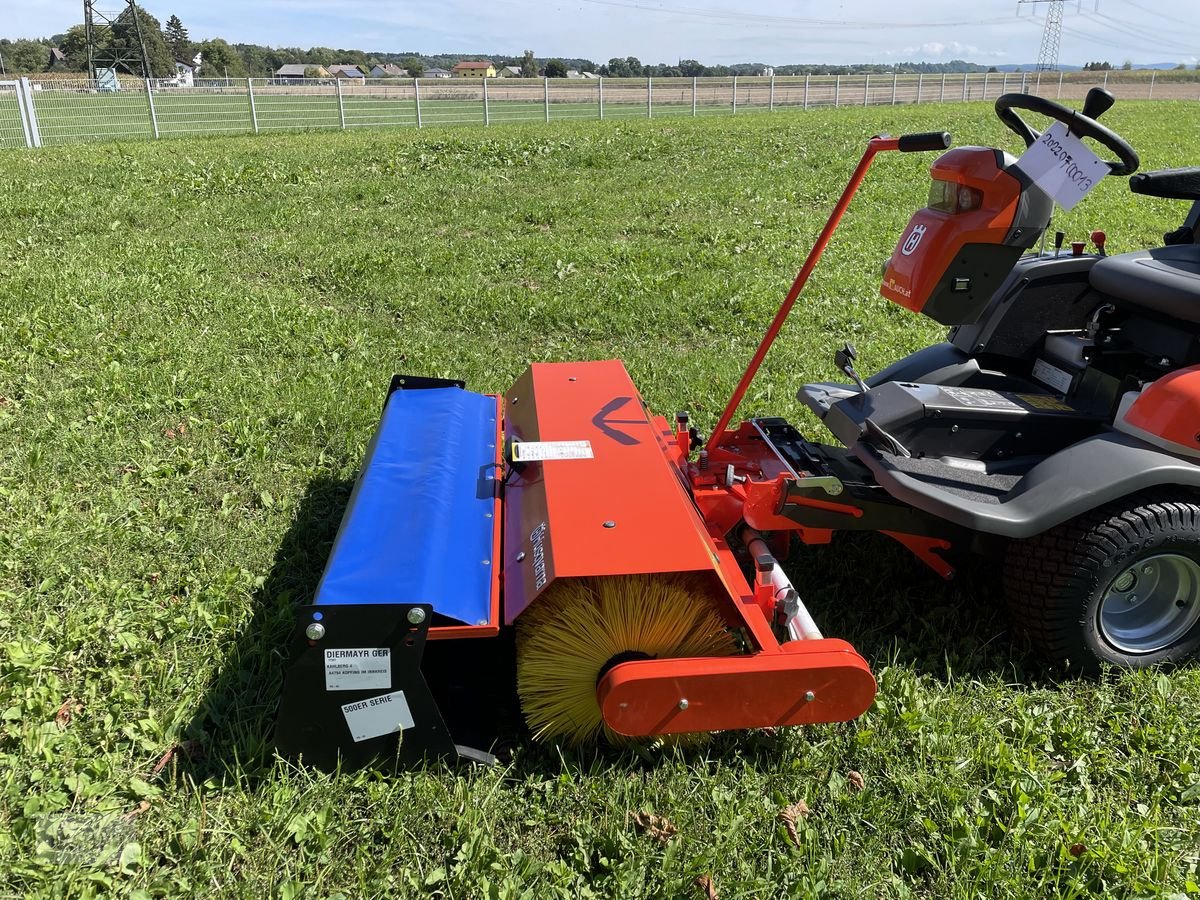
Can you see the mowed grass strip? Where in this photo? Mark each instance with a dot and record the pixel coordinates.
(196, 341)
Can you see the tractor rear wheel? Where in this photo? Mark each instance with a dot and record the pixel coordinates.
(1119, 585)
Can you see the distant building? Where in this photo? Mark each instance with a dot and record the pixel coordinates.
(346, 71)
(474, 69)
(185, 73)
(57, 60)
(298, 70)
(509, 72)
(388, 71)
(438, 73)
(574, 74)
(590, 75)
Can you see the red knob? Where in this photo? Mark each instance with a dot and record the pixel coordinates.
(1077, 248)
(1098, 238)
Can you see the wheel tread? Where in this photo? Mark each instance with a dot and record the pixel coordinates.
(1047, 576)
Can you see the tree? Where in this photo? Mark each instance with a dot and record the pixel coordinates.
(1127, 65)
(220, 60)
(74, 47)
(635, 67)
(125, 39)
(617, 68)
(555, 68)
(692, 68)
(528, 65)
(415, 67)
(177, 39)
(26, 57)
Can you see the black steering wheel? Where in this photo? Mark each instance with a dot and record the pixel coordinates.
(1081, 124)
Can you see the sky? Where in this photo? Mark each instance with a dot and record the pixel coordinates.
(713, 31)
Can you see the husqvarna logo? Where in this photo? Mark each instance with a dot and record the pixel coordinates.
(914, 240)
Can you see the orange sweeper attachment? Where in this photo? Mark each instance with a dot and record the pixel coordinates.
(626, 576)
(559, 559)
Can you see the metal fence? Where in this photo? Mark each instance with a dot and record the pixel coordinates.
(58, 111)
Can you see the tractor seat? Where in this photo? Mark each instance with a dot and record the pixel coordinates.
(1165, 280)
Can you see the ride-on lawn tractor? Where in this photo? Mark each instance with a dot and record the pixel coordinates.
(630, 567)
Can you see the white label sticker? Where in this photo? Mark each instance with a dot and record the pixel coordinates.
(537, 451)
(977, 398)
(358, 669)
(1060, 164)
(1052, 376)
(377, 716)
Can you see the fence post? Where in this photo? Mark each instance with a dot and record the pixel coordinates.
(866, 87)
(985, 84)
(837, 90)
(150, 103)
(1024, 79)
(546, 95)
(649, 97)
(1150, 96)
(966, 93)
(417, 98)
(942, 95)
(771, 96)
(734, 92)
(1037, 87)
(23, 114)
(601, 86)
(693, 96)
(920, 82)
(1060, 79)
(486, 115)
(806, 91)
(253, 109)
(34, 136)
(337, 83)
(893, 87)
(1106, 78)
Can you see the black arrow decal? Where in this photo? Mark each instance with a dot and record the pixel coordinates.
(602, 421)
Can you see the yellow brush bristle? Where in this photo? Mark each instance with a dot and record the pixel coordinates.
(578, 625)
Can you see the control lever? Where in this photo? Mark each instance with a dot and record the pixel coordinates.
(1099, 238)
(844, 360)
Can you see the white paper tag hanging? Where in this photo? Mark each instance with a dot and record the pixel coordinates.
(1060, 164)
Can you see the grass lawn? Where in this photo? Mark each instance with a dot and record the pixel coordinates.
(196, 342)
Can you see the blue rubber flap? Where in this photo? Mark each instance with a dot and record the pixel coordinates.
(418, 528)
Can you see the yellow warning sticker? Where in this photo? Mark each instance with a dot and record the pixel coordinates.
(1043, 401)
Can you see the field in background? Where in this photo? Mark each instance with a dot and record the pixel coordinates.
(68, 111)
(196, 344)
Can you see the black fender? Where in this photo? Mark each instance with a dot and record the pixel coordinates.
(1082, 477)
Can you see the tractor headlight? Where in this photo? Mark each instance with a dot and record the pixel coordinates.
(951, 197)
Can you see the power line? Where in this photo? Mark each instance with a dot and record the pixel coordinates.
(797, 21)
(1141, 33)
